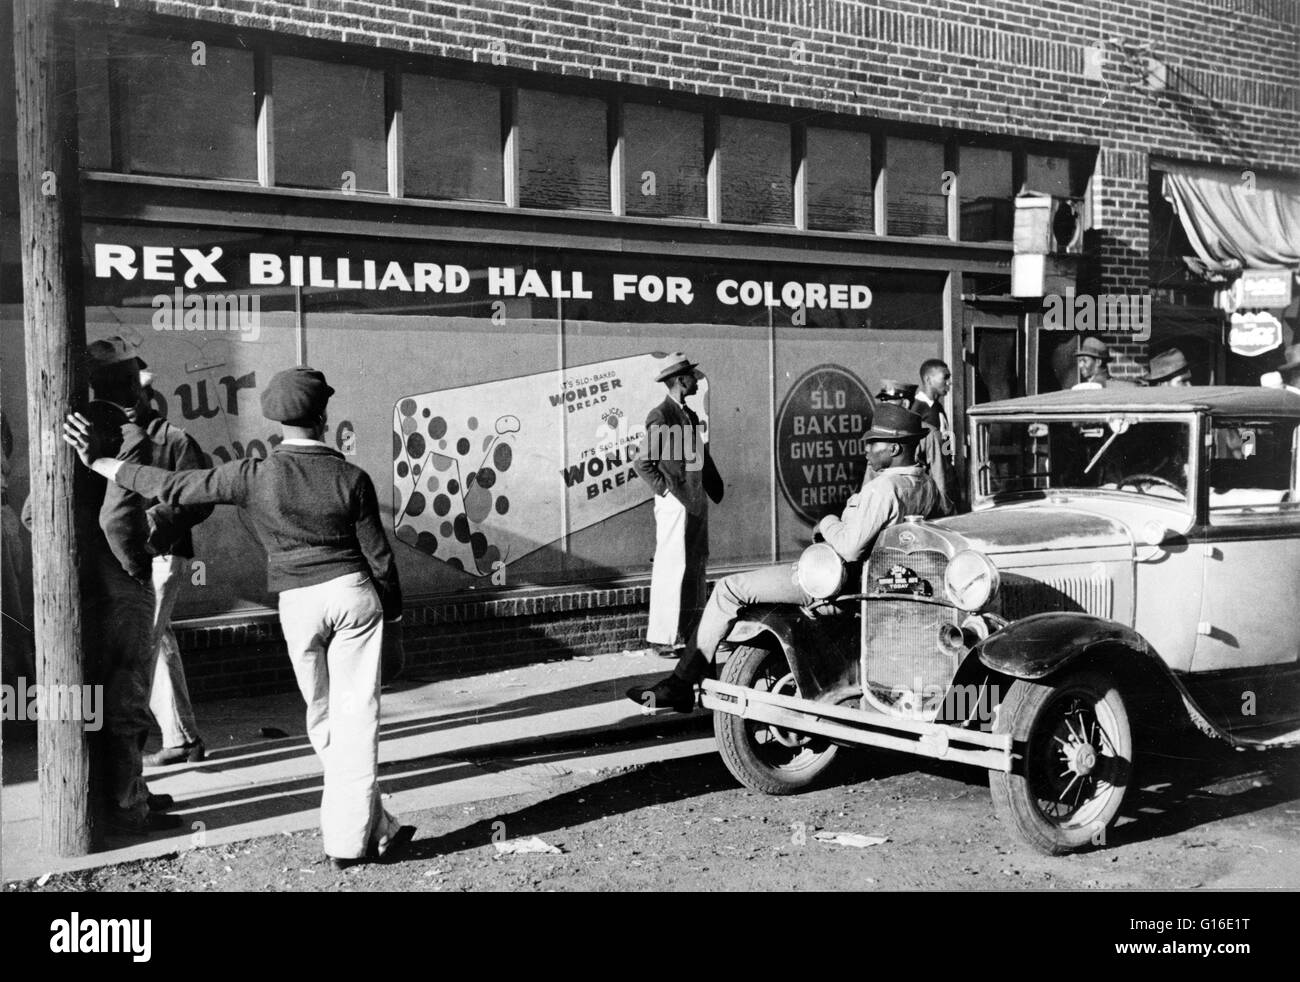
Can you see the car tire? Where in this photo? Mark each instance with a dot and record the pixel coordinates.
(757, 754)
(1074, 748)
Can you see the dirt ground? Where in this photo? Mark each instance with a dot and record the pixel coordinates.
(1217, 820)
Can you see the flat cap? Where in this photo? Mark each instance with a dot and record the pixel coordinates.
(296, 394)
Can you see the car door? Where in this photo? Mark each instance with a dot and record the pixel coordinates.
(1246, 665)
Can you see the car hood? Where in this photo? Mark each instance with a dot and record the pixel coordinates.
(1026, 528)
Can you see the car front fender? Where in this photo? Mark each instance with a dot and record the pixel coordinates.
(1040, 644)
(822, 652)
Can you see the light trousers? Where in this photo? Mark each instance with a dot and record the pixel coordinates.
(334, 632)
(769, 584)
(169, 699)
(677, 576)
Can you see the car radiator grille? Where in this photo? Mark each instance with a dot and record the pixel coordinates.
(900, 638)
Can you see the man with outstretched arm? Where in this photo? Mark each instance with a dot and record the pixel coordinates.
(329, 560)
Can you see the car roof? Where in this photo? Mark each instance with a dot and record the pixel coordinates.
(1229, 400)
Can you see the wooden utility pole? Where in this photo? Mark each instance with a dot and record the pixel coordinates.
(55, 334)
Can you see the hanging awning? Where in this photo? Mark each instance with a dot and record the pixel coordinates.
(1236, 220)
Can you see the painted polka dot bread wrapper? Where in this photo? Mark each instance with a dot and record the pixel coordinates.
(485, 474)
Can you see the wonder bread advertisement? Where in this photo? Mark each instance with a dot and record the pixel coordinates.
(485, 474)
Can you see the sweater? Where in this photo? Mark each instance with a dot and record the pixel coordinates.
(316, 514)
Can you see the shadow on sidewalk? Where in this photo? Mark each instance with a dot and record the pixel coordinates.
(20, 759)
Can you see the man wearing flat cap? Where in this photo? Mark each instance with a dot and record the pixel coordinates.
(329, 560)
(676, 463)
(901, 487)
(1093, 361)
(1168, 368)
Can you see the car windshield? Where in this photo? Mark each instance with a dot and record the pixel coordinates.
(1116, 452)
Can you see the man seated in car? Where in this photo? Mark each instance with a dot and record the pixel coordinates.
(900, 488)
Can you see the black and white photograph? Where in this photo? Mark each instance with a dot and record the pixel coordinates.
(652, 447)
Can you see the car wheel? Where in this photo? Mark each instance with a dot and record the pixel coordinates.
(761, 756)
(1075, 750)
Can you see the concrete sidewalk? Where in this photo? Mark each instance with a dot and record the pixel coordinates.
(442, 742)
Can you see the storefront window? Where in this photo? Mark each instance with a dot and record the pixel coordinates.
(839, 180)
(563, 155)
(915, 187)
(664, 168)
(497, 394)
(987, 198)
(93, 114)
(451, 132)
(329, 126)
(184, 119)
(756, 184)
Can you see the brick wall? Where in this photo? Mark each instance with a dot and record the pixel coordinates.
(1230, 95)
(441, 639)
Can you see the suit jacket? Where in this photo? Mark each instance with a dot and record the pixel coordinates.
(670, 457)
(171, 448)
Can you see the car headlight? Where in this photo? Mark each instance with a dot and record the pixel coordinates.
(971, 580)
(820, 571)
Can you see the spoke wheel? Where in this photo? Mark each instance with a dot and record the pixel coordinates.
(1076, 750)
(767, 758)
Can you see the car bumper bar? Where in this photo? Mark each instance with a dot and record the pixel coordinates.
(843, 724)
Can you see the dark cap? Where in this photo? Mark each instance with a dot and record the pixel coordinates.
(894, 423)
(107, 353)
(294, 395)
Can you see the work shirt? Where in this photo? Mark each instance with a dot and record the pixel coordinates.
(171, 448)
(315, 513)
(895, 493)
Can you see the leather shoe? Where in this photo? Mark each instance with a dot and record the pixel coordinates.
(672, 692)
(398, 843)
(669, 650)
(342, 864)
(160, 802)
(189, 752)
(123, 821)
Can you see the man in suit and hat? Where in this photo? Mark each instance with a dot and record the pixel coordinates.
(936, 450)
(676, 463)
(1093, 361)
(329, 560)
(1169, 368)
(901, 487)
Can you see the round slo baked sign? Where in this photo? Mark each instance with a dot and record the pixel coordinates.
(819, 441)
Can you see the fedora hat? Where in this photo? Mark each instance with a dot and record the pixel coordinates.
(1165, 366)
(678, 364)
(893, 423)
(1292, 356)
(1093, 348)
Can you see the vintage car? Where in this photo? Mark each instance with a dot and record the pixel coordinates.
(1131, 562)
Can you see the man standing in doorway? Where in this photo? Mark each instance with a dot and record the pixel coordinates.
(1093, 361)
(676, 463)
(936, 453)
